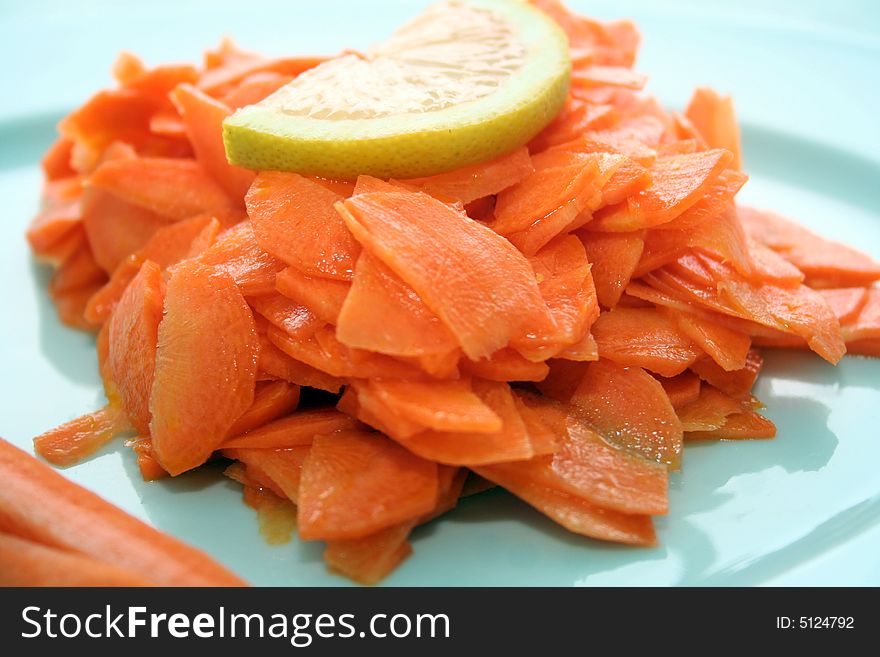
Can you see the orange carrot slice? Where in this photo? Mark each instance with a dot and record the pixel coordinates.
(713, 116)
(630, 408)
(294, 430)
(206, 366)
(203, 118)
(477, 181)
(368, 560)
(644, 337)
(565, 282)
(322, 296)
(679, 181)
(271, 401)
(824, 262)
(173, 188)
(737, 383)
(511, 443)
(725, 346)
(738, 426)
(237, 253)
(356, 483)
(614, 257)
(440, 405)
(709, 411)
(254, 88)
(681, 389)
(280, 470)
(116, 228)
(381, 313)
(294, 220)
(73, 441)
(574, 513)
(506, 365)
(60, 213)
(415, 236)
(38, 504)
(133, 336)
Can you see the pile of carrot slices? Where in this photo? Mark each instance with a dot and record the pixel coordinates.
(559, 322)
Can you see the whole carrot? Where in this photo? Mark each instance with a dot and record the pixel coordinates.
(40, 505)
(25, 563)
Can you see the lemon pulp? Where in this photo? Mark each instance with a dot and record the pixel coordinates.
(466, 81)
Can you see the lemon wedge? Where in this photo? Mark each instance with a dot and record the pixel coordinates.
(465, 82)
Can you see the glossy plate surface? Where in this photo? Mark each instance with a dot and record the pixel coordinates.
(801, 509)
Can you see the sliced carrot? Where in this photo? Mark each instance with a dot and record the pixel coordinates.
(644, 337)
(294, 430)
(79, 270)
(614, 76)
(739, 426)
(60, 213)
(271, 401)
(237, 253)
(713, 117)
(356, 483)
(362, 402)
(630, 408)
(254, 88)
(287, 315)
(278, 365)
(506, 365)
(824, 262)
(725, 346)
(56, 161)
(679, 181)
(38, 504)
(325, 353)
(71, 306)
(370, 559)
(587, 466)
(709, 411)
(614, 257)
(439, 405)
(477, 181)
(73, 441)
(574, 513)
(279, 470)
(133, 337)
(169, 245)
(233, 65)
(511, 443)
(26, 563)
(174, 188)
(294, 219)
(576, 117)
(206, 366)
(566, 284)
(611, 44)
(681, 389)
(553, 200)
(383, 314)
(323, 297)
(116, 228)
(203, 119)
(736, 383)
(415, 236)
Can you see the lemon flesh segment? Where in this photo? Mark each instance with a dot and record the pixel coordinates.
(465, 82)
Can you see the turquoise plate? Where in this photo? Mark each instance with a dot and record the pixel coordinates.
(801, 509)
